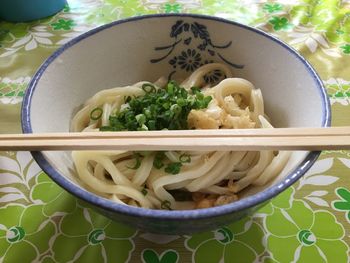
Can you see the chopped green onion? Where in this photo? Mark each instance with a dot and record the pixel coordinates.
(141, 118)
(151, 125)
(115, 123)
(148, 113)
(166, 105)
(158, 109)
(173, 168)
(181, 102)
(199, 95)
(207, 100)
(185, 158)
(170, 88)
(137, 162)
(148, 88)
(143, 128)
(195, 90)
(96, 114)
(166, 205)
(144, 191)
(158, 160)
(176, 109)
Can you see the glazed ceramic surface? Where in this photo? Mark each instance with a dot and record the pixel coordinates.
(24, 10)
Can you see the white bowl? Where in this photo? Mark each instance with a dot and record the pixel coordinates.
(143, 48)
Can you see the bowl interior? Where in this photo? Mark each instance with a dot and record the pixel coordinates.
(146, 48)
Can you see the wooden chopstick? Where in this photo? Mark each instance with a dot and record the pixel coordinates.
(310, 139)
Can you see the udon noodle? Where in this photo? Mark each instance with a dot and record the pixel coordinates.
(187, 180)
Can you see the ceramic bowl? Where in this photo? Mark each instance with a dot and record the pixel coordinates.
(24, 10)
(147, 47)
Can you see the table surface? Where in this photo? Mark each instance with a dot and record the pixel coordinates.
(309, 222)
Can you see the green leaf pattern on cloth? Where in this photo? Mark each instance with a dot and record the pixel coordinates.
(168, 256)
(62, 24)
(56, 201)
(343, 204)
(19, 232)
(338, 90)
(299, 234)
(309, 222)
(242, 239)
(172, 8)
(92, 237)
(346, 49)
(280, 23)
(283, 200)
(272, 8)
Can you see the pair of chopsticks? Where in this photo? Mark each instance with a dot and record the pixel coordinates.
(310, 139)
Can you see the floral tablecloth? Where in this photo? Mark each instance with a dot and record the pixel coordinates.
(310, 222)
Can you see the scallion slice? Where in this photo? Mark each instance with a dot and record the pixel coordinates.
(166, 205)
(148, 88)
(96, 114)
(144, 191)
(185, 158)
(137, 158)
(173, 168)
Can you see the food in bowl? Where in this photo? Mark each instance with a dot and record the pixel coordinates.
(144, 48)
(169, 179)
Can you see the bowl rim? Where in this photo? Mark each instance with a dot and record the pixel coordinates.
(108, 205)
